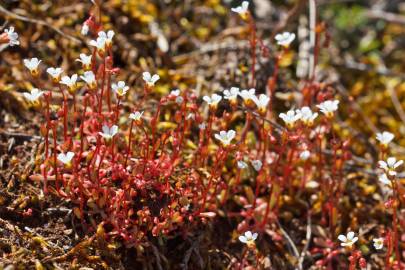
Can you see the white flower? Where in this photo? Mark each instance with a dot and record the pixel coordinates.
(213, 100)
(66, 158)
(257, 164)
(285, 39)
(242, 164)
(390, 165)
(349, 240)
(290, 118)
(99, 43)
(242, 10)
(225, 136)
(90, 79)
(248, 238)
(175, 92)
(328, 107)
(32, 64)
(149, 79)
(136, 116)
(34, 95)
(85, 60)
(55, 73)
(202, 126)
(231, 94)
(307, 116)
(85, 29)
(120, 88)
(383, 178)
(385, 138)
(248, 95)
(378, 243)
(69, 81)
(12, 36)
(107, 36)
(304, 155)
(261, 103)
(109, 132)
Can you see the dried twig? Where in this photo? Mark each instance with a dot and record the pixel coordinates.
(312, 38)
(291, 244)
(396, 102)
(381, 70)
(308, 240)
(386, 16)
(21, 136)
(291, 15)
(39, 22)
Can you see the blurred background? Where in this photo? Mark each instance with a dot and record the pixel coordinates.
(202, 45)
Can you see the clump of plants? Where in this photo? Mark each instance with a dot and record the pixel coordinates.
(162, 165)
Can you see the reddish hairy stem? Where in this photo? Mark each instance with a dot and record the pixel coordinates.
(129, 143)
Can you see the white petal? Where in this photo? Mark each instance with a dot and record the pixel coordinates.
(242, 239)
(342, 238)
(398, 163)
(254, 236)
(106, 129)
(245, 5)
(113, 130)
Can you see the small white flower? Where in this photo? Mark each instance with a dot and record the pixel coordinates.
(304, 155)
(175, 92)
(261, 103)
(290, 118)
(149, 79)
(55, 73)
(107, 36)
(231, 94)
(12, 36)
(248, 238)
(90, 79)
(213, 100)
(328, 107)
(66, 158)
(390, 165)
(225, 136)
(136, 116)
(248, 95)
(34, 95)
(383, 178)
(120, 88)
(109, 132)
(69, 81)
(202, 126)
(85, 29)
(242, 164)
(32, 64)
(307, 116)
(349, 240)
(385, 138)
(242, 10)
(99, 43)
(85, 60)
(257, 164)
(378, 243)
(285, 39)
